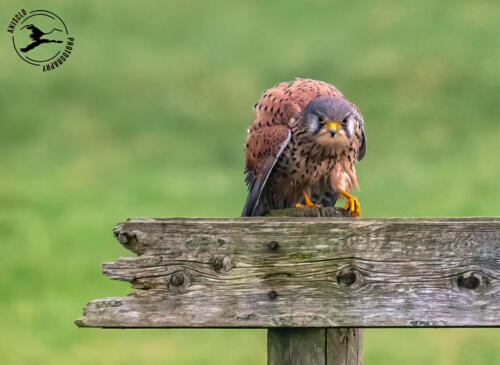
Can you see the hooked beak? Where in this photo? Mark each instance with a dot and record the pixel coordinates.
(332, 128)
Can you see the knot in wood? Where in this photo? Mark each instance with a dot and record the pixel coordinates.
(222, 264)
(218, 263)
(471, 280)
(177, 279)
(124, 237)
(348, 277)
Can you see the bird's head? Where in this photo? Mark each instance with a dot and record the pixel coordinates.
(330, 120)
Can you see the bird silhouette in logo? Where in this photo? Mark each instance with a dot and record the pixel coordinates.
(36, 36)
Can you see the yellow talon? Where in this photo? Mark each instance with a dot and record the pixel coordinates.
(352, 204)
(308, 203)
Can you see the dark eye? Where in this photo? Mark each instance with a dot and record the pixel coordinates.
(344, 122)
(321, 119)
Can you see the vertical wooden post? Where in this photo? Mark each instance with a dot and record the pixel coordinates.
(314, 346)
(344, 346)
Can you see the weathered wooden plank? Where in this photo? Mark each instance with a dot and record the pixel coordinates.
(305, 272)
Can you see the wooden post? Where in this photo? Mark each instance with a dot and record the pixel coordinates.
(314, 346)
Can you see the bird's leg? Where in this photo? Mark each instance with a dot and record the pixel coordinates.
(308, 202)
(352, 204)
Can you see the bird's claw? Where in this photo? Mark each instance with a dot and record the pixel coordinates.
(353, 206)
(298, 205)
(307, 203)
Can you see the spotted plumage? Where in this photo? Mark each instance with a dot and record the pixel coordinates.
(302, 148)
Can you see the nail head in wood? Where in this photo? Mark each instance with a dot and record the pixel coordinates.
(273, 245)
(272, 295)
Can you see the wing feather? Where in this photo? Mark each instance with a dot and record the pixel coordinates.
(362, 148)
(261, 161)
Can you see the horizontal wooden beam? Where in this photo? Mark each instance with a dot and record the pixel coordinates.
(304, 272)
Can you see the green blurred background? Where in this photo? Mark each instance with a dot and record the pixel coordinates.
(148, 118)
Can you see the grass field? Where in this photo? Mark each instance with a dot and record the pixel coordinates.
(148, 118)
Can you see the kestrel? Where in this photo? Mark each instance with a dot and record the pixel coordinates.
(302, 148)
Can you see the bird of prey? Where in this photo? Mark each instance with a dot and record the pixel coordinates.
(302, 148)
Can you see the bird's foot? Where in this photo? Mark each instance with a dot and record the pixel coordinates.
(352, 204)
(298, 205)
(308, 203)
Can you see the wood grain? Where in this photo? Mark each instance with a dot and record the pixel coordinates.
(296, 346)
(318, 346)
(344, 346)
(315, 346)
(304, 272)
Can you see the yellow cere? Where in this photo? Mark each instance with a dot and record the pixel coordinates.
(333, 126)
